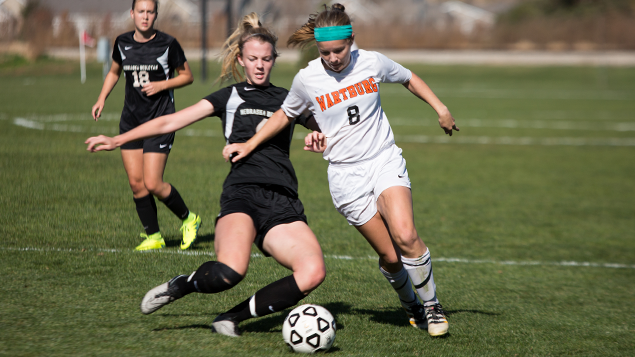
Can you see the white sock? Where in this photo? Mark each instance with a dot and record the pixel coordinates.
(402, 285)
(420, 272)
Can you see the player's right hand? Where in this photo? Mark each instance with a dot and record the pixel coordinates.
(315, 142)
(97, 108)
(236, 151)
(100, 143)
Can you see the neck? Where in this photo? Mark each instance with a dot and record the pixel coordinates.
(144, 36)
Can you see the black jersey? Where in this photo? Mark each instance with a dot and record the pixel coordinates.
(142, 63)
(244, 109)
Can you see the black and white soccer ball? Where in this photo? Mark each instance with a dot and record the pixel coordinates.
(309, 329)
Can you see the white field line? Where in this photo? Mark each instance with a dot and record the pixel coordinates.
(329, 256)
(488, 93)
(521, 124)
(422, 139)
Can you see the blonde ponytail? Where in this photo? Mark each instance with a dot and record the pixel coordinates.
(249, 28)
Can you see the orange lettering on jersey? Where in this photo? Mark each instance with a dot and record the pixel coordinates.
(360, 88)
(351, 91)
(328, 100)
(373, 85)
(343, 93)
(367, 86)
(336, 97)
(320, 101)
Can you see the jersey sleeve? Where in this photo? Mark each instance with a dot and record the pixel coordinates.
(390, 71)
(176, 56)
(219, 101)
(116, 52)
(296, 102)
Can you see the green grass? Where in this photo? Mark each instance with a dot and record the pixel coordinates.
(72, 284)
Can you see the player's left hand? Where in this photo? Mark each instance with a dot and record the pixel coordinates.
(153, 88)
(236, 151)
(315, 142)
(100, 143)
(446, 121)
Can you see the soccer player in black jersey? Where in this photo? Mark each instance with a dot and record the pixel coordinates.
(259, 203)
(148, 59)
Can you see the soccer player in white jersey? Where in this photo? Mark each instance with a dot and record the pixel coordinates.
(148, 59)
(367, 175)
(259, 203)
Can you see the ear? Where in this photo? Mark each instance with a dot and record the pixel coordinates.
(132, 14)
(239, 57)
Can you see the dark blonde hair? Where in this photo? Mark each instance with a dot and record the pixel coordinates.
(333, 16)
(248, 29)
(156, 4)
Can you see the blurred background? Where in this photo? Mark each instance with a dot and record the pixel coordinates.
(31, 28)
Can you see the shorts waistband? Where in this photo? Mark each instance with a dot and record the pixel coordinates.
(386, 146)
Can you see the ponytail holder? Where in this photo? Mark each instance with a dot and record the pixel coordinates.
(333, 33)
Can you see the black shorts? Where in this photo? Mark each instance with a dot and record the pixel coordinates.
(267, 205)
(160, 144)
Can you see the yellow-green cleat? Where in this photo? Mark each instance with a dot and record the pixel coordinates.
(153, 241)
(190, 230)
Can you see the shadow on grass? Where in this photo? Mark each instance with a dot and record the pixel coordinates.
(176, 241)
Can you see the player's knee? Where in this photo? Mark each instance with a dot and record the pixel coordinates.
(406, 237)
(311, 275)
(137, 186)
(214, 277)
(152, 186)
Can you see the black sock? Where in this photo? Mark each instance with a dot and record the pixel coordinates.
(175, 203)
(274, 297)
(147, 211)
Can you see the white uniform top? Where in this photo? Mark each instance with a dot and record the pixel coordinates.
(346, 105)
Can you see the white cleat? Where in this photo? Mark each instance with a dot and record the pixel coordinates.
(159, 296)
(437, 323)
(225, 326)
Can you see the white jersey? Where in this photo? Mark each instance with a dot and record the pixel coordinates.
(346, 105)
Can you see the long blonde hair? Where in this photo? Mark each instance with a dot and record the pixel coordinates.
(333, 16)
(248, 29)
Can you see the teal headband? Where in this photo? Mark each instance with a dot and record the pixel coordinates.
(333, 33)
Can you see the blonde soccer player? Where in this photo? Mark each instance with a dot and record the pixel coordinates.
(259, 203)
(148, 58)
(367, 174)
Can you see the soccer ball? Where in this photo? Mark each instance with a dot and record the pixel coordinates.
(309, 328)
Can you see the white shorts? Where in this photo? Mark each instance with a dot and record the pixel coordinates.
(356, 187)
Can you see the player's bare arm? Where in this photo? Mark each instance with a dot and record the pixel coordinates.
(159, 126)
(109, 83)
(419, 88)
(274, 125)
(184, 77)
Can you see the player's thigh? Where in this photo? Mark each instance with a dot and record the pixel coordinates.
(295, 247)
(377, 235)
(395, 206)
(234, 235)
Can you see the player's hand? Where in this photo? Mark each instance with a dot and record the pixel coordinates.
(315, 142)
(97, 108)
(446, 121)
(100, 143)
(236, 151)
(153, 88)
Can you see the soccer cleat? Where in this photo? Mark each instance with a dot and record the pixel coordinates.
(417, 316)
(437, 323)
(190, 232)
(225, 325)
(160, 296)
(153, 241)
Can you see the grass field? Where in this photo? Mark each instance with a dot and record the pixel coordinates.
(529, 212)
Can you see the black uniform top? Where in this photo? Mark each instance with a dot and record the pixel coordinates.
(142, 63)
(244, 109)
